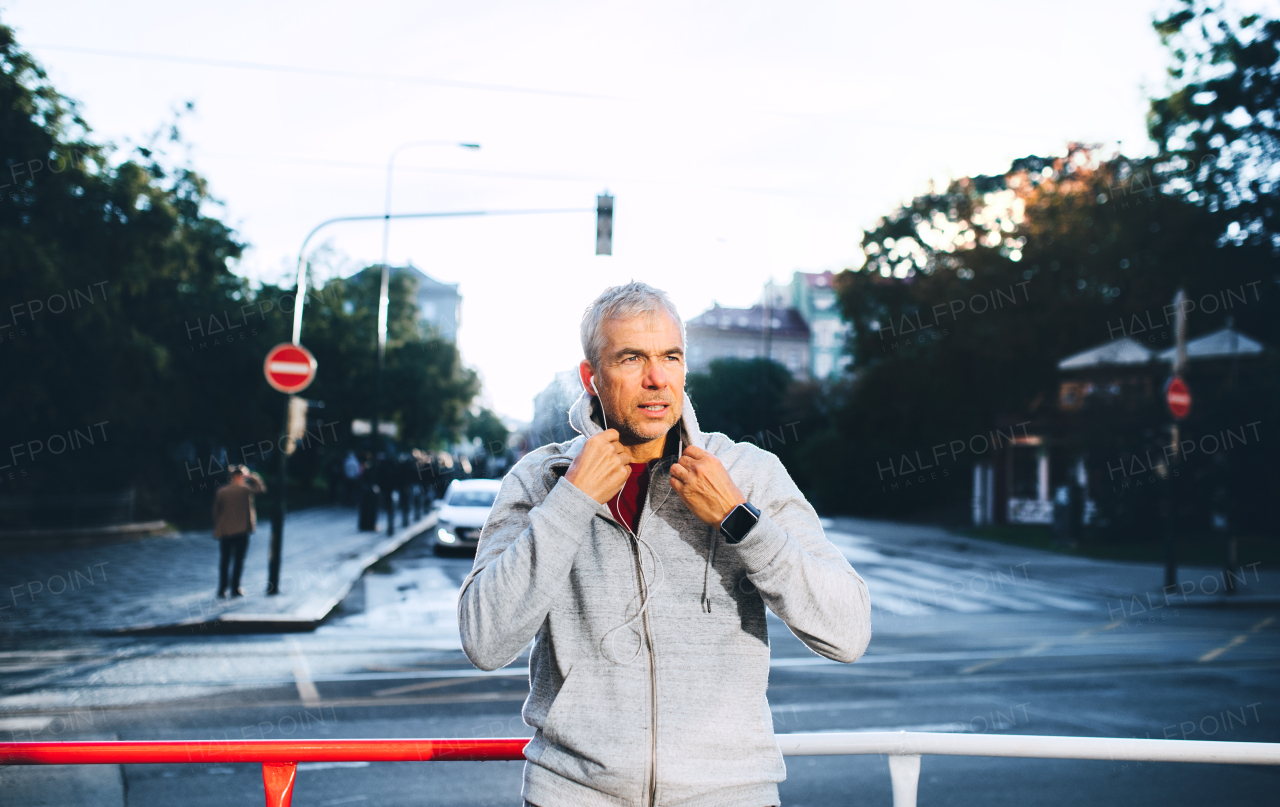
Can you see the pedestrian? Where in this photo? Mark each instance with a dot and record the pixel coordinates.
(646, 610)
(234, 520)
(351, 470)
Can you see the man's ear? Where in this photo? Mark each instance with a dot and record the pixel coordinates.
(587, 375)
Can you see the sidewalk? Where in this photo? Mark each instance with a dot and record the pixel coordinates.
(1129, 586)
(169, 584)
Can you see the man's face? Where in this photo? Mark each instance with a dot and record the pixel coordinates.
(641, 376)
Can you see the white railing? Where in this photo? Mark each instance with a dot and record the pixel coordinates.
(904, 749)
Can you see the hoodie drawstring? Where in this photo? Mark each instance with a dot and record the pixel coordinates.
(706, 573)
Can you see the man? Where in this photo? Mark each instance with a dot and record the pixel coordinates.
(234, 518)
(639, 559)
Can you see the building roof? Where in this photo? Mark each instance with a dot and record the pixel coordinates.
(1221, 344)
(785, 321)
(426, 283)
(820, 279)
(1126, 351)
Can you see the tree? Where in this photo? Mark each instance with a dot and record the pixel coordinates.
(426, 390)
(742, 398)
(127, 324)
(486, 426)
(105, 260)
(1218, 129)
(971, 295)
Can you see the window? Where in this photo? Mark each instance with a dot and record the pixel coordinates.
(823, 365)
(472, 498)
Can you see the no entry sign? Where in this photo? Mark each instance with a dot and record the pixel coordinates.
(1178, 397)
(289, 368)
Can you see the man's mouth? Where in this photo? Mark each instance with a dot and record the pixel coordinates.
(656, 408)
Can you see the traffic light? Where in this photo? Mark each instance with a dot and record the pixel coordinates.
(604, 224)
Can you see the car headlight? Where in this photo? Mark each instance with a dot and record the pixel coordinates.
(445, 535)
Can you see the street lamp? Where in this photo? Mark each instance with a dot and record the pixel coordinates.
(384, 297)
(277, 522)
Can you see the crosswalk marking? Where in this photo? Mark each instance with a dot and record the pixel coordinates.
(908, 586)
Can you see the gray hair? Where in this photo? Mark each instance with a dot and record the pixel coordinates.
(622, 302)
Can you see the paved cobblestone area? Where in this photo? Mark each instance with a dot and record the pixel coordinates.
(173, 581)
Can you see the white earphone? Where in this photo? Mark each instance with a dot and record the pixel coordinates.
(597, 392)
(648, 589)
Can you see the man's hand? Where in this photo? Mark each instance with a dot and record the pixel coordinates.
(705, 486)
(600, 469)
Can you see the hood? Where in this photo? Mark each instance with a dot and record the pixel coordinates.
(585, 418)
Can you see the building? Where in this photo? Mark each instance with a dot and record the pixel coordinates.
(439, 304)
(750, 333)
(813, 294)
(1038, 463)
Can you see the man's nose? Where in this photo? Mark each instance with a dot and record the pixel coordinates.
(655, 377)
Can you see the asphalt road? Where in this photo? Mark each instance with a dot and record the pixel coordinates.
(965, 641)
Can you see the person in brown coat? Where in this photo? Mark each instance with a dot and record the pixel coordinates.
(233, 520)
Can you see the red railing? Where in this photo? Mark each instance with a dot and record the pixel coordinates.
(279, 758)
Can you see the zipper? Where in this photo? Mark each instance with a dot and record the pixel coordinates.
(652, 794)
(653, 662)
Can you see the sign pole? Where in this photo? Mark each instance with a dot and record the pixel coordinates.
(289, 368)
(277, 519)
(1179, 404)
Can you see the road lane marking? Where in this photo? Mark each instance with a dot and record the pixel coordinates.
(1218, 651)
(982, 665)
(382, 693)
(194, 706)
(302, 675)
(1034, 650)
(1236, 641)
(1109, 626)
(324, 766)
(17, 724)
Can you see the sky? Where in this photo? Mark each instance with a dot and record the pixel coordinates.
(742, 141)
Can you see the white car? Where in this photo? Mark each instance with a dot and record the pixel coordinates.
(463, 511)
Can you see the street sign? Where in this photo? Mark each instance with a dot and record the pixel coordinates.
(1178, 397)
(289, 368)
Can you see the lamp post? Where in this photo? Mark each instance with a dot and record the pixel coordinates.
(384, 299)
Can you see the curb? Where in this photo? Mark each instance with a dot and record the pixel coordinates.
(306, 617)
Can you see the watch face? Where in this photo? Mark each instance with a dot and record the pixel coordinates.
(739, 523)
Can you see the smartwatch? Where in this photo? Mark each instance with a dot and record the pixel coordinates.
(739, 522)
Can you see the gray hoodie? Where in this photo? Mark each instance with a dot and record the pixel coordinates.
(650, 654)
